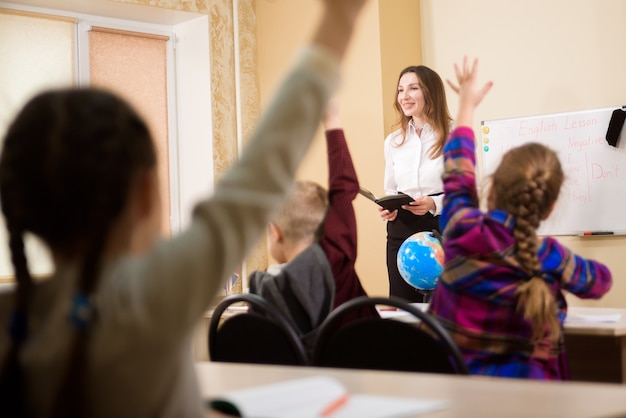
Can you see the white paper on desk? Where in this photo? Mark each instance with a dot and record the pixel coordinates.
(385, 314)
(308, 397)
(237, 308)
(373, 406)
(398, 313)
(593, 318)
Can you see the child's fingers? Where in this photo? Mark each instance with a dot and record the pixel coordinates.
(453, 86)
(474, 66)
(486, 88)
(457, 73)
(465, 67)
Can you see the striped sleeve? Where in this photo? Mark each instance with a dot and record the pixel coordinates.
(459, 178)
(587, 279)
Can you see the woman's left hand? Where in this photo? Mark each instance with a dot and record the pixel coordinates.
(421, 205)
(386, 215)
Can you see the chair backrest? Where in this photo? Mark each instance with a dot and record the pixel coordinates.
(262, 335)
(386, 344)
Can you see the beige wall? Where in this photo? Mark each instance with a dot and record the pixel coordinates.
(400, 46)
(544, 57)
(369, 81)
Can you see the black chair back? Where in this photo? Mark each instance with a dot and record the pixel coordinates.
(262, 335)
(386, 344)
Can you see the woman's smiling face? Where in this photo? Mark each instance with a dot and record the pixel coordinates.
(411, 95)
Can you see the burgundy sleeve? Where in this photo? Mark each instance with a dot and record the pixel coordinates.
(340, 240)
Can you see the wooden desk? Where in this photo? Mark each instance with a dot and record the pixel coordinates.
(470, 396)
(596, 351)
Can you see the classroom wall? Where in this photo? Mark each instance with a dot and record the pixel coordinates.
(190, 149)
(385, 41)
(229, 71)
(544, 57)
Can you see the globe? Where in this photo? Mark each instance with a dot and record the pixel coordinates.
(420, 260)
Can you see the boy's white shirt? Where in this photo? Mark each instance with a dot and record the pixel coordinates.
(275, 269)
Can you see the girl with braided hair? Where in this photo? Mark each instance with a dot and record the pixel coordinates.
(501, 292)
(109, 333)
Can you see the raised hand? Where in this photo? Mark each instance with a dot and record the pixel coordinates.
(470, 92)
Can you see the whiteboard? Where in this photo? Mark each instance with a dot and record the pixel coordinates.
(593, 196)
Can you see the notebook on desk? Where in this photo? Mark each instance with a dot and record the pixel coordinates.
(318, 396)
(401, 315)
(592, 318)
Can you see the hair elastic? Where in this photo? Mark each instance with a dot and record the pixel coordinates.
(83, 311)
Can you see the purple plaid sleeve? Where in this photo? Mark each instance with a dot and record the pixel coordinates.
(459, 177)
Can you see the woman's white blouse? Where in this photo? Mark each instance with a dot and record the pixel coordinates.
(409, 168)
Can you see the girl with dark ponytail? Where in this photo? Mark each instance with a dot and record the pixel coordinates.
(501, 291)
(56, 182)
(109, 333)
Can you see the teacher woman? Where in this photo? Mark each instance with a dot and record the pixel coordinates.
(414, 165)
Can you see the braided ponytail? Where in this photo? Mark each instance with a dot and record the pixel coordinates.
(70, 400)
(68, 164)
(526, 184)
(535, 298)
(11, 379)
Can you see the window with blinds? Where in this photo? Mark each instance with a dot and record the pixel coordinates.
(133, 65)
(42, 50)
(38, 53)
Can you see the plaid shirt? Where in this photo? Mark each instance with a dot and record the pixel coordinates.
(476, 299)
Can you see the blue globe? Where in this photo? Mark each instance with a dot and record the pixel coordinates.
(420, 260)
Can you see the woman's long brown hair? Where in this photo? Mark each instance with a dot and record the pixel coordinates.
(435, 107)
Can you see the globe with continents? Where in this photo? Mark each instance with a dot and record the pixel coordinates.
(420, 260)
